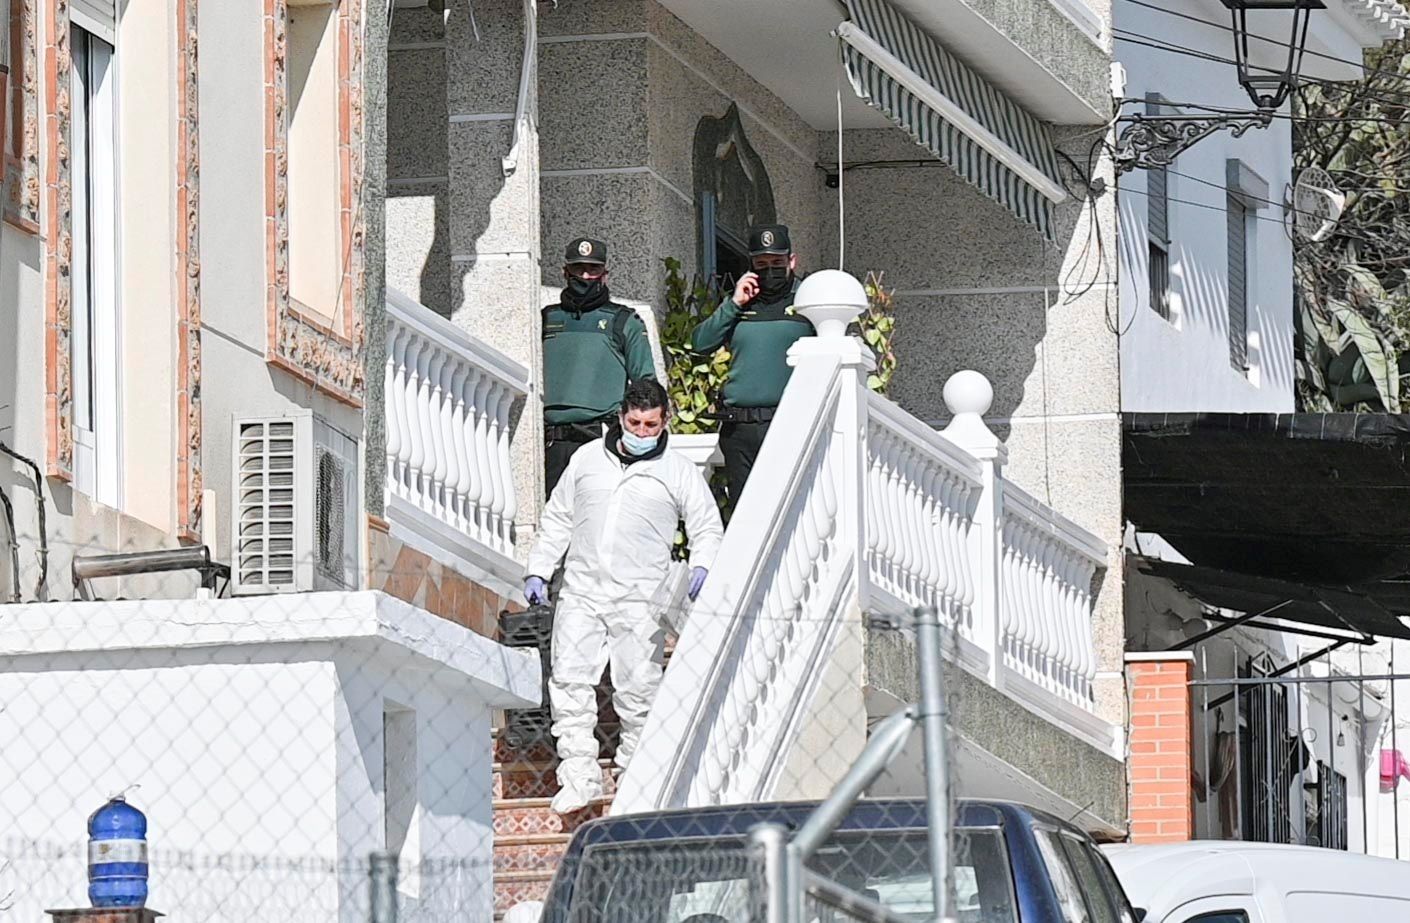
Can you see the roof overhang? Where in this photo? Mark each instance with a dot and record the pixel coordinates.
(787, 46)
(1311, 505)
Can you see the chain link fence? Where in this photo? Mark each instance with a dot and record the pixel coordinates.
(349, 756)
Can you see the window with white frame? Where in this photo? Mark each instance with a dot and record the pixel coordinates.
(96, 319)
(1158, 229)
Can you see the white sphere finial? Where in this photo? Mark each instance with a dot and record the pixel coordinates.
(968, 392)
(831, 299)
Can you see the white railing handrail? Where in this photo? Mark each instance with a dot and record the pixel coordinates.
(915, 430)
(448, 401)
(1018, 502)
(856, 506)
(407, 312)
(685, 698)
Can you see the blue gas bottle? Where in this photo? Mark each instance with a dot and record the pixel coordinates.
(117, 855)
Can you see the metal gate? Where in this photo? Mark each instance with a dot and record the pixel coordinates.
(1273, 758)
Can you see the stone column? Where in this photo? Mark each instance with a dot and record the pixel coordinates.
(493, 170)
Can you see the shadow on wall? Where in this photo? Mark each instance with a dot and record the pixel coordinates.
(978, 289)
(21, 412)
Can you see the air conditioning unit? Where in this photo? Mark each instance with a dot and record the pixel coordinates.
(296, 503)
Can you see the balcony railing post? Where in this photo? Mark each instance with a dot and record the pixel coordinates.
(831, 300)
(968, 395)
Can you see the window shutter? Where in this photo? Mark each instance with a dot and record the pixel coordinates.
(1157, 191)
(1238, 282)
(96, 16)
(1157, 205)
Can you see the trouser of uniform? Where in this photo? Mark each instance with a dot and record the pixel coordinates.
(558, 450)
(589, 634)
(740, 444)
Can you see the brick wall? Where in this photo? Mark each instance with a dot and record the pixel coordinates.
(1161, 797)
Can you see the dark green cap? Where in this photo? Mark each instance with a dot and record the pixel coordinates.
(586, 250)
(770, 238)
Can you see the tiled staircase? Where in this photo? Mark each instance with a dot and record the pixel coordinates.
(529, 837)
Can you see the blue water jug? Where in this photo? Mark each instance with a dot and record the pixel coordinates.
(117, 855)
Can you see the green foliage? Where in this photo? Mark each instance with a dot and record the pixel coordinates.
(1353, 289)
(692, 380)
(877, 329)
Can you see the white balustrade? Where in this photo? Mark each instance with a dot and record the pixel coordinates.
(1046, 591)
(921, 496)
(856, 506)
(448, 400)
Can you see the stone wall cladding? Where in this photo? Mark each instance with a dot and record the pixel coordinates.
(1162, 803)
(1034, 746)
(327, 356)
(21, 131)
(188, 274)
(1056, 42)
(58, 245)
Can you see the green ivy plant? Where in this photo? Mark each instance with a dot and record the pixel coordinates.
(878, 328)
(692, 380)
(695, 381)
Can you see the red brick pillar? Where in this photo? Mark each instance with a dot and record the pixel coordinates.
(1161, 798)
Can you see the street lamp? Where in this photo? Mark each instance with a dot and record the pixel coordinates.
(1269, 88)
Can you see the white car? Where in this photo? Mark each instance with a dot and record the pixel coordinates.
(1228, 882)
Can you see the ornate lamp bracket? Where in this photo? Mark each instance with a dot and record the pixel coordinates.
(1154, 141)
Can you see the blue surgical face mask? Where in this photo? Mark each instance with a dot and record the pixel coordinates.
(638, 445)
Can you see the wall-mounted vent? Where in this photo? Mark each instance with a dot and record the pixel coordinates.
(296, 506)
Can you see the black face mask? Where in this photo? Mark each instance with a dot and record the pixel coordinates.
(585, 294)
(774, 283)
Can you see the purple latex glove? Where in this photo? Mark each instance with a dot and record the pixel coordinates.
(697, 580)
(535, 591)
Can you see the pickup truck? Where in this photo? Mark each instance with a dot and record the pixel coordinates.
(1012, 864)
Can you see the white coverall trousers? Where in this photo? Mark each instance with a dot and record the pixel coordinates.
(590, 633)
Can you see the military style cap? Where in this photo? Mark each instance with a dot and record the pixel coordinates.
(770, 238)
(586, 250)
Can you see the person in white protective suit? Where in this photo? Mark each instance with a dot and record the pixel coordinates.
(614, 512)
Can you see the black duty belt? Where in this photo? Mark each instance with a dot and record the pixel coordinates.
(573, 432)
(743, 414)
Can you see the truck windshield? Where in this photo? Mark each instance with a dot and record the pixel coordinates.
(708, 880)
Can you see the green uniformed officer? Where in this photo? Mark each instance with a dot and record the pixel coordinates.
(592, 348)
(758, 323)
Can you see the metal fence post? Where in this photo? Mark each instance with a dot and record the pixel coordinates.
(772, 842)
(934, 718)
(382, 870)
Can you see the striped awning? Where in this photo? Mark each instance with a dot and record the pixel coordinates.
(951, 111)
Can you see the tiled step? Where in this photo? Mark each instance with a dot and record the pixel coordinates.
(521, 816)
(534, 852)
(539, 778)
(607, 737)
(512, 888)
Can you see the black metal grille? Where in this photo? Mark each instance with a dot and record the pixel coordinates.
(1265, 765)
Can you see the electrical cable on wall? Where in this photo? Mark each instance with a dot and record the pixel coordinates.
(39, 586)
(841, 197)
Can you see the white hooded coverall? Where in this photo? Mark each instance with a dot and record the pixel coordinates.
(617, 522)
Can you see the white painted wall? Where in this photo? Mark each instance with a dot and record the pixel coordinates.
(147, 90)
(255, 730)
(236, 379)
(1183, 364)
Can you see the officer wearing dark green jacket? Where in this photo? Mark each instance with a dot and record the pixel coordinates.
(592, 348)
(758, 324)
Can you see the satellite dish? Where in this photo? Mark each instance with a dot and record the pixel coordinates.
(1317, 204)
